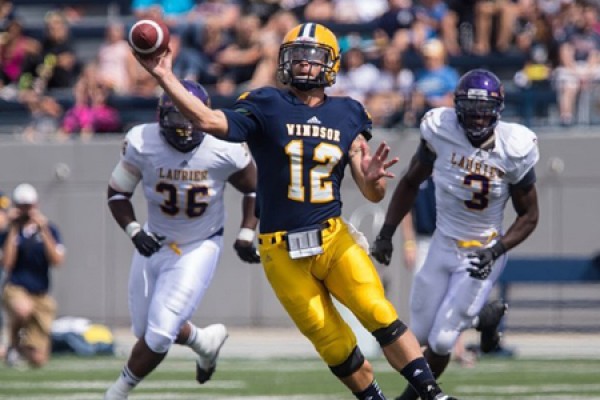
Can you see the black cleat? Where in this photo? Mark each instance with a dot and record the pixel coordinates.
(489, 318)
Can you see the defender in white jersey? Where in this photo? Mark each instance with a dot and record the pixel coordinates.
(477, 162)
(183, 173)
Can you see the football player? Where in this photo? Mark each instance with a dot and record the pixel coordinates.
(302, 141)
(478, 162)
(183, 173)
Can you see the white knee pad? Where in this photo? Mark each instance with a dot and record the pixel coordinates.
(158, 342)
(443, 343)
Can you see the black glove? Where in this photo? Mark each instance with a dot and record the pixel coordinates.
(147, 243)
(246, 251)
(382, 249)
(482, 260)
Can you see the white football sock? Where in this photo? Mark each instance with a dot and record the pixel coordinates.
(195, 341)
(125, 382)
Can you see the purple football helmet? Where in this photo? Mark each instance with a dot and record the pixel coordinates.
(479, 100)
(177, 130)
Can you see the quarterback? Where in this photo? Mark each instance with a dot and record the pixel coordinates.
(478, 162)
(302, 141)
(183, 173)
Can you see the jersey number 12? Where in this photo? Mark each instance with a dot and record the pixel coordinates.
(327, 156)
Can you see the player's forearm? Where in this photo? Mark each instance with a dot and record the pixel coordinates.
(202, 117)
(400, 203)
(520, 230)
(374, 190)
(249, 220)
(120, 207)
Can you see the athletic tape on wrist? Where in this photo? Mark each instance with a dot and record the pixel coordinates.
(133, 228)
(246, 234)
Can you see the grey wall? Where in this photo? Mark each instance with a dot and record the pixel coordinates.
(72, 179)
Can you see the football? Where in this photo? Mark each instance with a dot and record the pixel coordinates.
(149, 37)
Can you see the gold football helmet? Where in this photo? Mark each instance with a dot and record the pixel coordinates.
(314, 44)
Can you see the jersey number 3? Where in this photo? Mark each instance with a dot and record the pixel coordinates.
(328, 156)
(480, 200)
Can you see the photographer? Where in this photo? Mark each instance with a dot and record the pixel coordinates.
(30, 247)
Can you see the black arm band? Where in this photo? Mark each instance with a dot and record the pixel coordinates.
(387, 231)
(498, 249)
(527, 181)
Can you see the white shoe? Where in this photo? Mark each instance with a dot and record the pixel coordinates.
(214, 336)
(112, 394)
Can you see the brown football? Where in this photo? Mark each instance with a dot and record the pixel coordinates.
(148, 37)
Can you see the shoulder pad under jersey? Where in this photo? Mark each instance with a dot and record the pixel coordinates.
(435, 121)
(357, 111)
(137, 135)
(517, 139)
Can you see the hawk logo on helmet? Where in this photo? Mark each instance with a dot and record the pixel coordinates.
(314, 44)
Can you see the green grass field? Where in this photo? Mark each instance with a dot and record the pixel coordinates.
(69, 378)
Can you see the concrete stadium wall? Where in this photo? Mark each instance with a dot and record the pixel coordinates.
(72, 178)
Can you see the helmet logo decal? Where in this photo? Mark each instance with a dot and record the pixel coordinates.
(476, 93)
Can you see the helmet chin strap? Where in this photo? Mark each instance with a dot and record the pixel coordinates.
(305, 85)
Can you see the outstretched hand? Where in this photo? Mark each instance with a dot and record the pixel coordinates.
(157, 65)
(376, 166)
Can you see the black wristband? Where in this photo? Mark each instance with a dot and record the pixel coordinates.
(498, 249)
(387, 231)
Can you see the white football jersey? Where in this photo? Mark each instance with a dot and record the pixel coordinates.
(472, 185)
(184, 191)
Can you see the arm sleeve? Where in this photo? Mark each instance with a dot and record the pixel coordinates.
(241, 124)
(528, 180)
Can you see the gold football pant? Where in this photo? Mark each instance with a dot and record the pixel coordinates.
(304, 287)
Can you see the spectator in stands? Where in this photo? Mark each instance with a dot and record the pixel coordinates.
(46, 113)
(506, 12)
(171, 11)
(533, 37)
(57, 66)
(358, 11)
(438, 21)
(391, 91)
(226, 13)
(239, 58)
(263, 9)
(458, 27)
(579, 59)
(434, 83)
(399, 25)
(31, 247)
(113, 59)
(356, 78)
(320, 10)
(270, 38)
(7, 14)
(15, 47)
(90, 114)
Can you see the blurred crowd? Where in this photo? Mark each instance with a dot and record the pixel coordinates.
(396, 54)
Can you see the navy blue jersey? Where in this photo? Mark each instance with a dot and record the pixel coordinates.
(424, 212)
(32, 268)
(300, 151)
